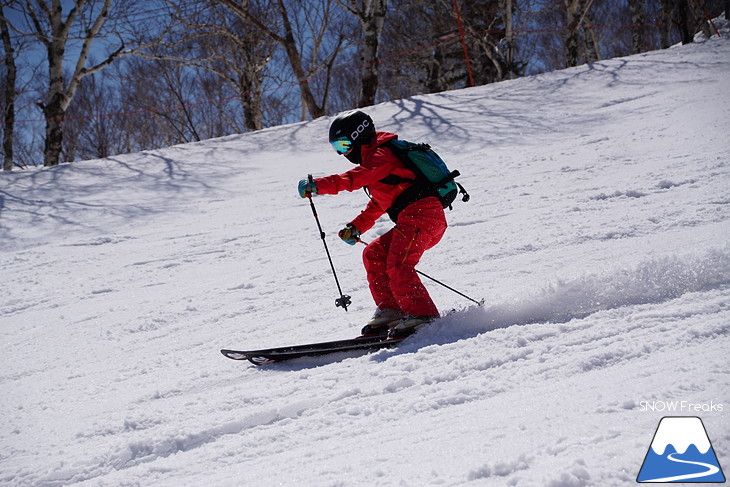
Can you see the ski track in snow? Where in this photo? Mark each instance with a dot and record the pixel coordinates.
(598, 233)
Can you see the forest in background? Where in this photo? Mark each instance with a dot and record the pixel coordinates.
(85, 79)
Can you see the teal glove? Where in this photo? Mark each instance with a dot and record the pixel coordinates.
(349, 234)
(306, 190)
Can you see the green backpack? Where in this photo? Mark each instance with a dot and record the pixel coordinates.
(433, 178)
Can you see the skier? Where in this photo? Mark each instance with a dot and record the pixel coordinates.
(402, 302)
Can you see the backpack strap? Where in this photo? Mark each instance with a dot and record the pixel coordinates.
(411, 194)
(418, 189)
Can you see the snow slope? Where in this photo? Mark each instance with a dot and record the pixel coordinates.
(598, 234)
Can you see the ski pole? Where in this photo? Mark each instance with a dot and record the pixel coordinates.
(479, 303)
(344, 300)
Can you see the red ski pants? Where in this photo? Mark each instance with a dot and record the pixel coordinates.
(390, 260)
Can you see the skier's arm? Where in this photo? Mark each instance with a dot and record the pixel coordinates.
(351, 180)
(367, 217)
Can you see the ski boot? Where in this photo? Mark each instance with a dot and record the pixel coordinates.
(408, 325)
(381, 322)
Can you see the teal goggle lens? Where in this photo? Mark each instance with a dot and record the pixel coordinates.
(342, 145)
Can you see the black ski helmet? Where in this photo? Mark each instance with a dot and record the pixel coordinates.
(356, 125)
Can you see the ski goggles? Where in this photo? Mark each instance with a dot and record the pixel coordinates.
(342, 145)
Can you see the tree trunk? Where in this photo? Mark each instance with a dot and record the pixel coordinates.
(372, 18)
(54, 110)
(576, 12)
(699, 18)
(665, 28)
(288, 42)
(509, 37)
(252, 112)
(681, 12)
(573, 17)
(369, 83)
(54, 135)
(592, 44)
(10, 95)
(59, 95)
(638, 16)
(290, 46)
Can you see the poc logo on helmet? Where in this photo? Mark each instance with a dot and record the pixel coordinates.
(360, 129)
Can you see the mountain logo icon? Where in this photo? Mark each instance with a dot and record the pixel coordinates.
(681, 452)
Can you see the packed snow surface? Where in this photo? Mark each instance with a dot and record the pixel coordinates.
(598, 234)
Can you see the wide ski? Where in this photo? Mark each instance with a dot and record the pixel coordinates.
(281, 354)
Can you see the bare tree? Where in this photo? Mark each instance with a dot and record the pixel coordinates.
(700, 17)
(591, 40)
(575, 11)
(90, 128)
(413, 59)
(286, 40)
(161, 90)
(425, 57)
(371, 14)
(53, 30)
(10, 94)
(218, 39)
(429, 57)
(684, 22)
(508, 8)
(324, 32)
(486, 30)
(691, 17)
(221, 58)
(638, 19)
(281, 30)
(665, 20)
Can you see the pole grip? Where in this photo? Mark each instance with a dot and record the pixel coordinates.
(310, 181)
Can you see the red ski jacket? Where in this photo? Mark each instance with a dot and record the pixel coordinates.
(377, 163)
